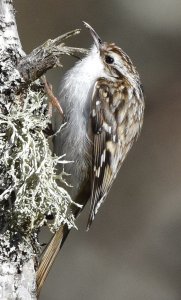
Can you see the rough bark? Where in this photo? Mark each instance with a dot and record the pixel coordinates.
(45, 57)
(28, 186)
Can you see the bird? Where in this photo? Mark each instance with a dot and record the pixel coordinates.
(103, 104)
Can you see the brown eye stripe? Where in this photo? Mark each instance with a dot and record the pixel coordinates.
(113, 48)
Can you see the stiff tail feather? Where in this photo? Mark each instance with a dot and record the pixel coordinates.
(48, 258)
(58, 240)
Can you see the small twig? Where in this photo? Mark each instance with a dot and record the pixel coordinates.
(45, 57)
(65, 36)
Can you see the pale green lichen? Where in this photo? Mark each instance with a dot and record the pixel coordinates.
(28, 168)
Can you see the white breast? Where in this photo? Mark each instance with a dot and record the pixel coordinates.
(75, 98)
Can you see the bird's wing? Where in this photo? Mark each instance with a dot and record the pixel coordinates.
(105, 116)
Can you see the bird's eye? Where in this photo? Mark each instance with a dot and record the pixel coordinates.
(109, 59)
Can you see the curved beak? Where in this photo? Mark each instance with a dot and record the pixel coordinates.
(96, 38)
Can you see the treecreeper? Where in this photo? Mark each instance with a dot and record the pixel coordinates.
(103, 105)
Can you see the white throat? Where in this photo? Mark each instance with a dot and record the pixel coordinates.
(82, 76)
(75, 92)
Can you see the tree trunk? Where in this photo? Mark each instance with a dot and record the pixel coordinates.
(28, 186)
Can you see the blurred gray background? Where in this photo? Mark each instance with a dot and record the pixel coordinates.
(133, 250)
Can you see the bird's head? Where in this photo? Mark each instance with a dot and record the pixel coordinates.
(116, 62)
